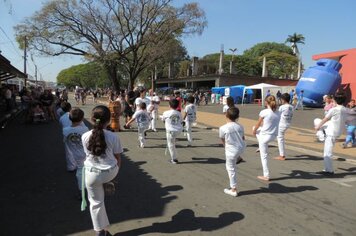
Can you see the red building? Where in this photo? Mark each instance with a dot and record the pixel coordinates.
(348, 71)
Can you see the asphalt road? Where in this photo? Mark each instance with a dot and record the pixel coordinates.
(155, 197)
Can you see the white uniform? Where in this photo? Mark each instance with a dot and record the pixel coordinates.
(266, 134)
(336, 125)
(75, 156)
(173, 124)
(226, 107)
(286, 112)
(143, 121)
(233, 134)
(66, 122)
(100, 170)
(191, 111)
(140, 100)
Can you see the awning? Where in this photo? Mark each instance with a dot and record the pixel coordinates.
(7, 71)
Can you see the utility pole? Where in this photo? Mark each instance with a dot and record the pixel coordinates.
(233, 50)
(25, 61)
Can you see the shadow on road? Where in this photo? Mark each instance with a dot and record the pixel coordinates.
(279, 189)
(185, 220)
(38, 196)
(299, 174)
(203, 160)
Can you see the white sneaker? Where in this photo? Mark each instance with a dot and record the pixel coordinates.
(230, 192)
(142, 145)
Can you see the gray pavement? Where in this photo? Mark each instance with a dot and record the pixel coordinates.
(155, 197)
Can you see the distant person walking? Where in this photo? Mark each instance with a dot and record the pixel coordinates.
(300, 101)
(103, 159)
(190, 116)
(291, 94)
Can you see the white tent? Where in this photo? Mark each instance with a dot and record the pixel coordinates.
(264, 88)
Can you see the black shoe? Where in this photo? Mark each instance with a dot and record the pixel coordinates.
(326, 173)
(239, 160)
(145, 133)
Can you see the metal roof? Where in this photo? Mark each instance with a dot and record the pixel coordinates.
(8, 71)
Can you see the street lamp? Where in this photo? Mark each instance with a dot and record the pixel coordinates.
(233, 50)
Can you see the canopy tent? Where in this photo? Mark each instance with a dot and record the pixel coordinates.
(237, 92)
(264, 88)
(218, 90)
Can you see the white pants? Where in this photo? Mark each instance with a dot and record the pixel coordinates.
(141, 135)
(299, 104)
(188, 128)
(154, 120)
(171, 143)
(231, 169)
(320, 134)
(263, 140)
(94, 181)
(281, 141)
(328, 153)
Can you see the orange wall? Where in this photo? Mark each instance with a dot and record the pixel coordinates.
(348, 71)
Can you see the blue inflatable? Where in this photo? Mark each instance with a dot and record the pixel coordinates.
(319, 80)
(218, 90)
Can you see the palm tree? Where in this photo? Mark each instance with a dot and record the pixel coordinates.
(295, 39)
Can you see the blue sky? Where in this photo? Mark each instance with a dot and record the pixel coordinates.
(326, 24)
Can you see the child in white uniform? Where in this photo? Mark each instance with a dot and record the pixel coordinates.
(143, 121)
(173, 123)
(189, 118)
(268, 121)
(336, 117)
(229, 104)
(286, 112)
(152, 111)
(72, 137)
(233, 138)
(102, 163)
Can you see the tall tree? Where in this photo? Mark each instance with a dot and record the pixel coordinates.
(123, 35)
(294, 40)
(87, 75)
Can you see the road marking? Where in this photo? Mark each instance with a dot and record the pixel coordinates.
(343, 182)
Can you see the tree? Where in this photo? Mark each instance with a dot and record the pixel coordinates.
(294, 40)
(87, 75)
(281, 64)
(262, 48)
(126, 35)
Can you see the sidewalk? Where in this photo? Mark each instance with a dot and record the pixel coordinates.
(296, 137)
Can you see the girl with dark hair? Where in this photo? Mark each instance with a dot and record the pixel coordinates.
(229, 104)
(102, 149)
(268, 121)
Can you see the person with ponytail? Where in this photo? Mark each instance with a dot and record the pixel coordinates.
(266, 130)
(102, 163)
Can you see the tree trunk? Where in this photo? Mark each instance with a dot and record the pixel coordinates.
(113, 76)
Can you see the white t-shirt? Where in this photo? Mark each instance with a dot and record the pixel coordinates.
(286, 111)
(72, 138)
(336, 124)
(66, 122)
(226, 107)
(233, 134)
(172, 120)
(270, 121)
(156, 100)
(107, 160)
(142, 118)
(140, 100)
(191, 111)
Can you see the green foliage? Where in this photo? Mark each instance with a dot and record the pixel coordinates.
(262, 48)
(87, 75)
(280, 64)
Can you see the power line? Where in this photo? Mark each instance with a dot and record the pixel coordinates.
(13, 45)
